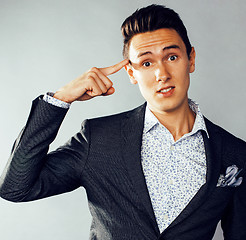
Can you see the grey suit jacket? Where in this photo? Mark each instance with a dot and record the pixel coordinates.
(104, 158)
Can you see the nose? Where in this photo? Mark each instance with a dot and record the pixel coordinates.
(161, 73)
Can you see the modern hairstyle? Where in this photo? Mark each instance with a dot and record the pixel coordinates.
(151, 18)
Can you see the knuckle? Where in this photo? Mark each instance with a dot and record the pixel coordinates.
(90, 78)
(104, 91)
(98, 92)
(92, 75)
(93, 69)
(108, 84)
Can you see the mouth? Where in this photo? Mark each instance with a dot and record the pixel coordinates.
(165, 90)
(168, 91)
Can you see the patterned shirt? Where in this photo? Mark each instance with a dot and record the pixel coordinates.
(174, 171)
(48, 97)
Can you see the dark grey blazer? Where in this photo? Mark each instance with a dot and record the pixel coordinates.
(104, 158)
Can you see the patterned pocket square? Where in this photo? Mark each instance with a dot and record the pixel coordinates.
(230, 178)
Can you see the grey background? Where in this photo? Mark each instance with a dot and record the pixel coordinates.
(46, 43)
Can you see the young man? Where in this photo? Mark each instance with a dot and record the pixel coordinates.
(160, 171)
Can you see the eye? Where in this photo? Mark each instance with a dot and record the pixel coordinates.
(172, 58)
(146, 64)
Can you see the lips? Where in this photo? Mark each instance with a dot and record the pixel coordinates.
(166, 91)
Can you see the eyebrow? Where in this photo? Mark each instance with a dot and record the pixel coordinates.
(165, 48)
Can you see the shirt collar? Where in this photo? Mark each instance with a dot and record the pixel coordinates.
(150, 120)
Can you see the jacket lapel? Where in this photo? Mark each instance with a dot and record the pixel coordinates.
(132, 130)
(213, 146)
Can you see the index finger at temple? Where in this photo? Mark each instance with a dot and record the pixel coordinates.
(115, 68)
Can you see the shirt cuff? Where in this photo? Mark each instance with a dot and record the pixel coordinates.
(48, 97)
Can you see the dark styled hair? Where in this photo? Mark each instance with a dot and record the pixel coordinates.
(152, 18)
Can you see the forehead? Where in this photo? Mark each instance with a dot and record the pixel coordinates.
(158, 39)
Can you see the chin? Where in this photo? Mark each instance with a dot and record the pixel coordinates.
(161, 109)
(167, 107)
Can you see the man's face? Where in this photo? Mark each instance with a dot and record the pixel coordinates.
(161, 67)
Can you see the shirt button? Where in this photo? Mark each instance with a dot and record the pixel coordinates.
(165, 217)
(171, 147)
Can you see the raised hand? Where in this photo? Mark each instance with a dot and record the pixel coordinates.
(90, 84)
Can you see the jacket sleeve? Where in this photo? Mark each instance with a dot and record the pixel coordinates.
(33, 173)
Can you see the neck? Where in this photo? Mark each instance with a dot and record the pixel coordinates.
(178, 122)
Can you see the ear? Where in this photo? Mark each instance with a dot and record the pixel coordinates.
(192, 60)
(130, 73)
